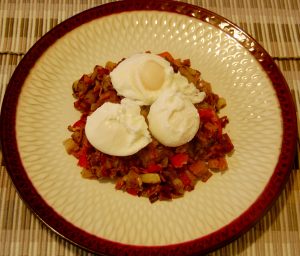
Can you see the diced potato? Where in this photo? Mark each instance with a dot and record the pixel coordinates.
(94, 74)
(75, 86)
(110, 65)
(106, 82)
(70, 145)
(87, 174)
(199, 168)
(77, 136)
(133, 180)
(205, 176)
(178, 185)
(218, 164)
(221, 103)
(191, 75)
(152, 178)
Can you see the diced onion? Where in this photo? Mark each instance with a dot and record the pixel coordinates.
(150, 178)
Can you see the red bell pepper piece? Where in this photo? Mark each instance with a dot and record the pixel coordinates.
(226, 143)
(80, 123)
(82, 158)
(179, 160)
(153, 168)
(209, 115)
(132, 191)
(185, 179)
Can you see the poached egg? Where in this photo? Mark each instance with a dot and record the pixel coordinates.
(143, 76)
(117, 129)
(145, 79)
(173, 119)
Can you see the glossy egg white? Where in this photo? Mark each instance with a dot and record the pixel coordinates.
(142, 77)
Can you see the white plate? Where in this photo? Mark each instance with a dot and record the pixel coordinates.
(38, 107)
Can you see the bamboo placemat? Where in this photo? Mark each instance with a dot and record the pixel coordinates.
(275, 24)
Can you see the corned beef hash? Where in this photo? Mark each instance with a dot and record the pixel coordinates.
(149, 123)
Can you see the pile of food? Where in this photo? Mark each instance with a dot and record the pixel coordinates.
(151, 124)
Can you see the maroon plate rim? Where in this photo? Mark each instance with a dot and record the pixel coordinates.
(102, 246)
